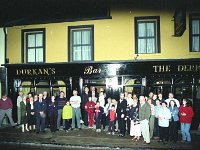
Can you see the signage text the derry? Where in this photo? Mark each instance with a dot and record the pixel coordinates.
(179, 68)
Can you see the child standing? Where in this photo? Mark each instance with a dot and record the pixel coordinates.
(67, 115)
(112, 117)
(89, 107)
(98, 111)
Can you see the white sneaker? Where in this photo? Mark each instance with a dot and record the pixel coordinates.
(109, 133)
(81, 121)
(113, 133)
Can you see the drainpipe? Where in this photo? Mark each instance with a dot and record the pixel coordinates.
(5, 55)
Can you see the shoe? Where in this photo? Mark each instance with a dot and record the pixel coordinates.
(164, 143)
(72, 129)
(183, 141)
(160, 141)
(109, 133)
(113, 133)
(57, 129)
(145, 143)
(37, 132)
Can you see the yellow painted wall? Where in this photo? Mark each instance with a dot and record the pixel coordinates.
(113, 38)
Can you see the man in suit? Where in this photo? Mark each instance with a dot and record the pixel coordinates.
(40, 107)
(121, 114)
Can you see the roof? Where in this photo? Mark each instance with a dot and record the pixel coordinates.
(23, 12)
(26, 12)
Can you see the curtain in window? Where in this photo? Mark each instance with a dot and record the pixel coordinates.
(141, 34)
(35, 47)
(81, 45)
(196, 35)
(146, 38)
(150, 38)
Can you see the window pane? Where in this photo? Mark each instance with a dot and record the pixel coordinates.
(141, 30)
(77, 53)
(141, 45)
(31, 55)
(86, 53)
(85, 37)
(31, 40)
(150, 29)
(39, 55)
(195, 26)
(195, 43)
(39, 39)
(77, 37)
(151, 45)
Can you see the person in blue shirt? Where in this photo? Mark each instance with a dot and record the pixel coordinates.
(173, 124)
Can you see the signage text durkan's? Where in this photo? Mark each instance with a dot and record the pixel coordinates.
(35, 72)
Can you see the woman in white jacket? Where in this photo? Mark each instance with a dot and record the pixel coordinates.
(164, 116)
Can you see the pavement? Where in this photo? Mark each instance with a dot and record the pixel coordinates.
(13, 138)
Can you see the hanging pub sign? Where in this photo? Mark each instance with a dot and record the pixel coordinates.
(179, 22)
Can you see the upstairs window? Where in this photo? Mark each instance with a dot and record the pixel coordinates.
(33, 46)
(195, 34)
(147, 35)
(81, 41)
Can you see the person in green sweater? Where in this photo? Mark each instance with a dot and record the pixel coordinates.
(67, 115)
(144, 116)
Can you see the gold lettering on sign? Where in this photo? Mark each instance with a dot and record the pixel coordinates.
(162, 68)
(188, 68)
(92, 70)
(35, 72)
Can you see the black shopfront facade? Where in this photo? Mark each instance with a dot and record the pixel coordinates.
(182, 77)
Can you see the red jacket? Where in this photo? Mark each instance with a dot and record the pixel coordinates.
(89, 106)
(189, 114)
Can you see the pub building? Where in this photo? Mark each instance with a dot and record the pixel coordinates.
(138, 46)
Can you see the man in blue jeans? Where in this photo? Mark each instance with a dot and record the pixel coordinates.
(75, 101)
(61, 101)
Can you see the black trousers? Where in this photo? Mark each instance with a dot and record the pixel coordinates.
(84, 116)
(173, 131)
(111, 127)
(53, 122)
(40, 123)
(122, 125)
(156, 128)
(98, 123)
(128, 123)
(164, 134)
(103, 120)
(67, 123)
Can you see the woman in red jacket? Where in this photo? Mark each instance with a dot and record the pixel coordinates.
(186, 113)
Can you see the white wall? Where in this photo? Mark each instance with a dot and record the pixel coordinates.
(2, 52)
(2, 46)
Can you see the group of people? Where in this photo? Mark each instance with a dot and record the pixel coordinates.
(148, 116)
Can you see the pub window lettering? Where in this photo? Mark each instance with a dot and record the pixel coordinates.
(195, 35)
(147, 35)
(34, 46)
(81, 41)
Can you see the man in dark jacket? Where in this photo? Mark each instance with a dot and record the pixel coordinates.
(121, 114)
(40, 107)
(84, 99)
